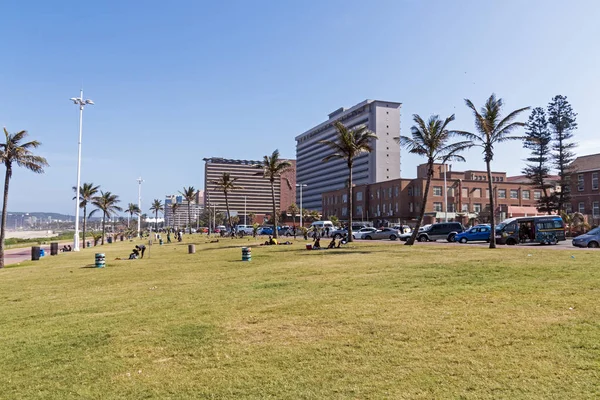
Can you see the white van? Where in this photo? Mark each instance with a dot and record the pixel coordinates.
(321, 225)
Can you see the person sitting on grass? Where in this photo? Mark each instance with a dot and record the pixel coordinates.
(317, 244)
(343, 240)
(332, 243)
(134, 254)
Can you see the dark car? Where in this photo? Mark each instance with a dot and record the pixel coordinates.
(590, 239)
(442, 230)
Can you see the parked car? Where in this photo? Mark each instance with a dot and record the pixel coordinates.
(265, 230)
(338, 233)
(476, 233)
(443, 230)
(404, 236)
(402, 228)
(384, 233)
(359, 234)
(590, 239)
(245, 229)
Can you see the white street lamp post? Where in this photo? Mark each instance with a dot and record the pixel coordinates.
(445, 196)
(301, 185)
(82, 103)
(139, 180)
(245, 217)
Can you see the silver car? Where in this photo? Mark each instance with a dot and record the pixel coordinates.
(360, 234)
(384, 233)
(590, 239)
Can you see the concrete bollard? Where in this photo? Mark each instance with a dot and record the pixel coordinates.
(191, 248)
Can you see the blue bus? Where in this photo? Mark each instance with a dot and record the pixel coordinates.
(546, 229)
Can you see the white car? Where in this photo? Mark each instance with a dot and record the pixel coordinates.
(404, 237)
(361, 232)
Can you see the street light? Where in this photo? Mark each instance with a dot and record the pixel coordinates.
(81, 103)
(301, 185)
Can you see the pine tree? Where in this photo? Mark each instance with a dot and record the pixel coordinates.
(538, 139)
(561, 118)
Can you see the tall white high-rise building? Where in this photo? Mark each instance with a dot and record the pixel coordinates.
(383, 164)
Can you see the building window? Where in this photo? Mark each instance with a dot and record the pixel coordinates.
(358, 196)
(580, 183)
(417, 191)
(465, 208)
(487, 193)
(582, 207)
(477, 207)
(411, 207)
(450, 192)
(501, 193)
(514, 194)
(410, 191)
(396, 191)
(378, 193)
(344, 211)
(537, 195)
(568, 208)
(594, 180)
(437, 190)
(450, 207)
(389, 193)
(596, 209)
(344, 198)
(359, 210)
(396, 207)
(437, 206)
(526, 194)
(465, 192)
(477, 192)
(384, 208)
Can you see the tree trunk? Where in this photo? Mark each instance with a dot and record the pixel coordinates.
(84, 223)
(275, 233)
(413, 237)
(4, 211)
(156, 220)
(189, 217)
(103, 227)
(492, 208)
(228, 213)
(350, 239)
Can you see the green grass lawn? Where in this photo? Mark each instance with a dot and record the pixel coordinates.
(370, 321)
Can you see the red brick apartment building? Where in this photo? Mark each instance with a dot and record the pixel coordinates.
(400, 200)
(585, 195)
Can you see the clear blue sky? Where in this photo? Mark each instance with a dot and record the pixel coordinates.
(178, 81)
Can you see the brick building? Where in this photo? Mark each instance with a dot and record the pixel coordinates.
(585, 194)
(399, 200)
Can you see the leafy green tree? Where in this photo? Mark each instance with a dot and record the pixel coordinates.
(189, 194)
(349, 144)
(107, 203)
(131, 209)
(314, 215)
(14, 151)
(334, 220)
(157, 206)
(537, 140)
(431, 140)
(492, 129)
(251, 217)
(562, 121)
(86, 193)
(227, 184)
(272, 168)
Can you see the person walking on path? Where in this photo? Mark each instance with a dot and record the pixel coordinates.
(168, 236)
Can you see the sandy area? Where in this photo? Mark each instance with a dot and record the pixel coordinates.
(30, 234)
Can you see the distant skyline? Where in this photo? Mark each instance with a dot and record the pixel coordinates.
(177, 82)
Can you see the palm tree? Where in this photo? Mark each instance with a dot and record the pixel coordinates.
(430, 139)
(86, 193)
(131, 209)
(492, 129)
(227, 184)
(107, 203)
(189, 194)
(272, 168)
(174, 207)
(350, 144)
(293, 210)
(15, 152)
(157, 206)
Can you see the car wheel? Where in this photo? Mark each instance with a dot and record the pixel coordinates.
(463, 240)
(593, 245)
(511, 242)
(368, 237)
(393, 237)
(452, 237)
(422, 238)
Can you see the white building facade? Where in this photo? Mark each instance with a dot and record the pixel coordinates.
(382, 164)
